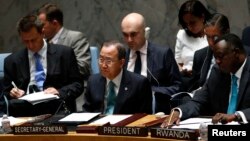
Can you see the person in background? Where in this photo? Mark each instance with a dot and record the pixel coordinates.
(115, 90)
(226, 93)
(192, 18)
(155, 62)
(204, 60)
(40, 66)
(54, 32)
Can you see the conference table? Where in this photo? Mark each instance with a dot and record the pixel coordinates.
(74, 136)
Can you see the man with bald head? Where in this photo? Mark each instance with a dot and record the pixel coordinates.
(155, 62)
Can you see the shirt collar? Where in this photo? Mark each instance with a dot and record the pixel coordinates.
(142, 50)
(56, 37)
(239, 71)
(42, 51)
(116, 80)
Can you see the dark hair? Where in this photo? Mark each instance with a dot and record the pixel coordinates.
(220, 21)
(120, 47)
(195, 8)
(52, 12)
(232, 40)
(26, 23)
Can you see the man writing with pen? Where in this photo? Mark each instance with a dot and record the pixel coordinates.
(40, 67)
(226, 94)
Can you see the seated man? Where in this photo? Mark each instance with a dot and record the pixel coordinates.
(40, 67)
(226, 93)
(116, 90)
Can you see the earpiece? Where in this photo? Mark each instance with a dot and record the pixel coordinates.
(147, 32)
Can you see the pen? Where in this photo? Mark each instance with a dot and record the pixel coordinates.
(171, 115)
(14, 85)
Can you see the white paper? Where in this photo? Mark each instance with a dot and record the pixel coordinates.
(14, 121)
(194, 123)
(79, 117)
(38, 97)
(112, 119)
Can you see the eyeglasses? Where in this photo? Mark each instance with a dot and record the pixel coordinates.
(107, 61)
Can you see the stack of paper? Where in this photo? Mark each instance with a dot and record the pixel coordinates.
(79, 117)
(112, 119)
(38, 97)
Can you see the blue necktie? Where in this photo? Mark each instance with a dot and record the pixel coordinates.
(234, 96)
(111, 98)
(138, 63)
(39, 74)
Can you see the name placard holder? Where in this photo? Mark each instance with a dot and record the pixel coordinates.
(179, 134)
(123, 131)
(40, 129)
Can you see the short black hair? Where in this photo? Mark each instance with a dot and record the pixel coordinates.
(27, 22)
(120, 47)
(232, 40)
(195, 8)
(220, 21)
(52, 12)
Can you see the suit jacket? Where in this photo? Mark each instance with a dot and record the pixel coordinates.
(201, 65)
(163, 74)
(134, 96)
(62, 74)
(79, 43)
(214, 95)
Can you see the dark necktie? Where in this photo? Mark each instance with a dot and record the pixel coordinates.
(39, 74)
(111, 98)
(234, 96)
(138, 63)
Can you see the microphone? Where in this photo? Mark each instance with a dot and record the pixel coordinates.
(63, 104)
(38, 118)
(153, 77)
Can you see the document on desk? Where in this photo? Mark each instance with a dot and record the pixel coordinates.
(79, 117)
(112, 119)
(14, 121)
(194, 123)
(38, 97)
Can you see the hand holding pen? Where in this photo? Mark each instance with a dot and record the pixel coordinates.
(16, 92)
(171, 119)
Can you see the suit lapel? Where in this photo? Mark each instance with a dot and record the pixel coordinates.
(127, 59)
(51, 59)
(123, 92)
(244, 80)
(23, 59)
(62, 37)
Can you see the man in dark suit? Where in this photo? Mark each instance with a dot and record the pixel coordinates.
(60, 74)
(216, 96)
(132, 91)
(157, 63)
(54, 31)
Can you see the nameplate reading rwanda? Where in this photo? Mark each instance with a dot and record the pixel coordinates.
(174, 133)
(50, 129)
(123, 131)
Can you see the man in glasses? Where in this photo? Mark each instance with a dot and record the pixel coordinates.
(116, 90)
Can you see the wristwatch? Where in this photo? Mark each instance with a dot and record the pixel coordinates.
(237, 117)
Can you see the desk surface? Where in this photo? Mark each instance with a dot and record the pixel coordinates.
(72, 136)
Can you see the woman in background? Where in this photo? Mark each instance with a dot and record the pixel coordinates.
(192, 17)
